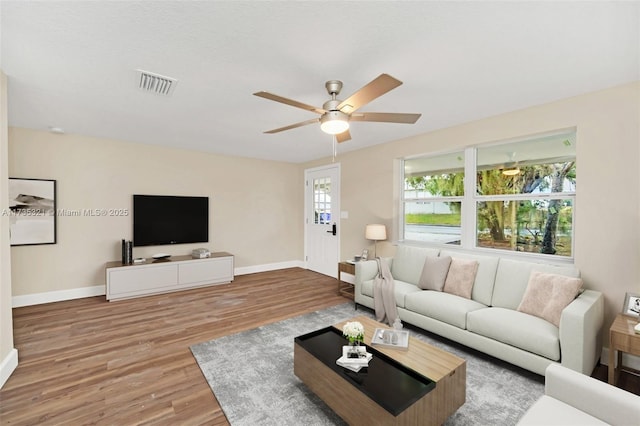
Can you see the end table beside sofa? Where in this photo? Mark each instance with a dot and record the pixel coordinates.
(622, 338)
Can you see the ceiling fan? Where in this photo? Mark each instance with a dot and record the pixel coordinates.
(335, 114)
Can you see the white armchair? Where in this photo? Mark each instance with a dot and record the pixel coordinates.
(572, 398)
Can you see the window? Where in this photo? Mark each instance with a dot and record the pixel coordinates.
(433, 196)
(521, 199)
(322, 201)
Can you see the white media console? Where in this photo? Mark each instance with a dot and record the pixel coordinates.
(162, 276)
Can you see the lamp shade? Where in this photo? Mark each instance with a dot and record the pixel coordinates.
(375, 232)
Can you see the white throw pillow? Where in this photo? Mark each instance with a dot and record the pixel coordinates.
(461, 277)
(547, 295)
(434, 272)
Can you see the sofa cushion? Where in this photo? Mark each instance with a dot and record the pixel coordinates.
(512, 278)
(401, 289)
(518, 329)
(461, 276)
(441, 306)
(407, 262)
(550, 411)
(486, 275)
(434, 272)
(547, 295)
(608, 403)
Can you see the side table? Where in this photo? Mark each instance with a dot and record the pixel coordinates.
(622, 338)
(345, 288)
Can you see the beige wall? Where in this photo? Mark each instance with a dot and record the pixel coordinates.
(607, 227)
(255, 206)
(8, 357)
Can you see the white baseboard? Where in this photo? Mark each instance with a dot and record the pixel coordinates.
(268, 267)
(99, 290)
(57, 296)
(8, 364)
(628, 360)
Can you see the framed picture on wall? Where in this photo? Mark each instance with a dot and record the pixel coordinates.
(32, 215)
(631, 305)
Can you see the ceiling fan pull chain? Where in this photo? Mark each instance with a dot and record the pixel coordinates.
(335, 147)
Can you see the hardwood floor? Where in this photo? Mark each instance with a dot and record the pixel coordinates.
(89, 361)
(629, 380)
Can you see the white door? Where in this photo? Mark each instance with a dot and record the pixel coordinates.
(322, 219)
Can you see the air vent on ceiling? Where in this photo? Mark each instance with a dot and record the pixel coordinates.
(156, 83)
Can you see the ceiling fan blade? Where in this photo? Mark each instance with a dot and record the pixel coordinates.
(344, 136)
(385, 117)
(293, 126)
(290, 102)
(376, 88)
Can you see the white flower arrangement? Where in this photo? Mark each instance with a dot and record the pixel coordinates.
(354, 331)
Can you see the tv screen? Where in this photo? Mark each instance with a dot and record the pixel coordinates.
(163, 219)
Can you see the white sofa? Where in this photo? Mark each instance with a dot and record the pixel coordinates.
(575, 399)
(489, 321)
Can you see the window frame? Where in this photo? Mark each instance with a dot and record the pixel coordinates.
(469, 202)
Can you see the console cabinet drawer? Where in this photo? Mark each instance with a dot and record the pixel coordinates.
(140, 279)
(212, 271)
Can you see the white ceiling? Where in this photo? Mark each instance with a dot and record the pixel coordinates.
(72, 65)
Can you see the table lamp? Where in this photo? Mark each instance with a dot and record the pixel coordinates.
(375, 232)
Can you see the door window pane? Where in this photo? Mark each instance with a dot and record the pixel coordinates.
(322, 200)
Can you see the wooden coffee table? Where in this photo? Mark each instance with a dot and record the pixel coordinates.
(439, 379)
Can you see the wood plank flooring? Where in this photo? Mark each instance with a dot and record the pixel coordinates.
(89, 361)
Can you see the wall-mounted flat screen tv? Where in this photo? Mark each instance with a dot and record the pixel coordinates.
(163, 219)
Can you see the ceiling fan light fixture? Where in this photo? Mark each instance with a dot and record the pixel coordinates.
(334, 122)
(512, 171)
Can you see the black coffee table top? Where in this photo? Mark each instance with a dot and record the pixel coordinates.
(389, 383)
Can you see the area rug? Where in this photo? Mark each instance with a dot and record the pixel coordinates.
(251, 375)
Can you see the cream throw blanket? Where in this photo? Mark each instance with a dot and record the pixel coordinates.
(384, 299)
